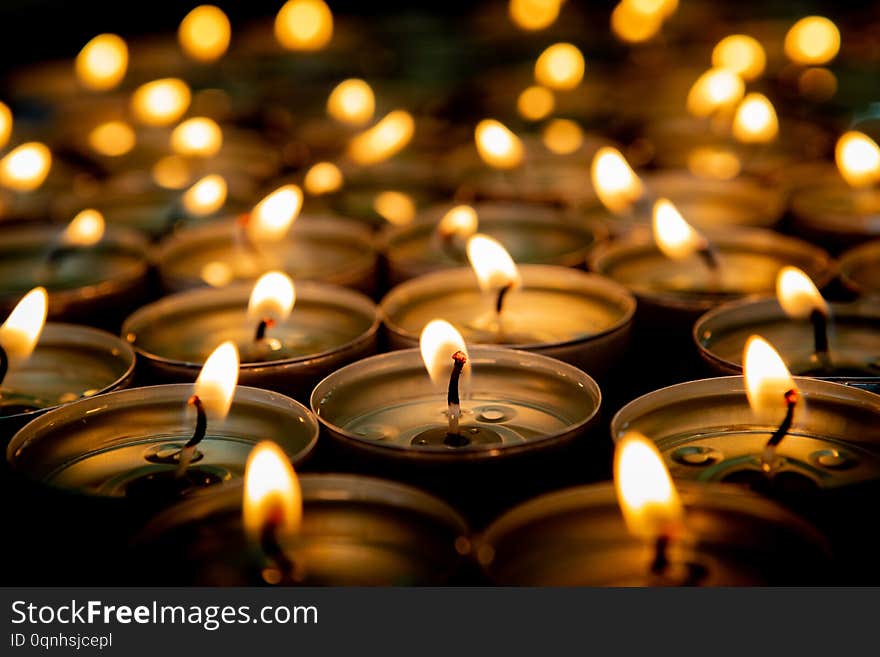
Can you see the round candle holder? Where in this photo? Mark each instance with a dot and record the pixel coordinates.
(579, 318)
(96, 285)
(860, 269)
(721, 335)
(69, 362)
(319, 248)
(530, 233)
(577, 537)
(356, 531)
(329, 327)
(835, 214)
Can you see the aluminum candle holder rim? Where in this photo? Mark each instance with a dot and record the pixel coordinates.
(597, 281)
(855, 257)
(467, 454)
(202, 297)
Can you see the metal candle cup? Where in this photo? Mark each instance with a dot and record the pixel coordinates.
(577, 537)
(356, 531)
(329, 327)
(69, 362)
(579, 318)
(836, 214)
(320, 248)
(860, 269)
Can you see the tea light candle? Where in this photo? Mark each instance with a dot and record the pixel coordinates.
(860, 269)
(328, 327)
(337, 530)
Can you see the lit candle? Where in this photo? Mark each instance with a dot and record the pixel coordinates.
(161, 102)
(304, 25)
(102, 63)
(204, 33)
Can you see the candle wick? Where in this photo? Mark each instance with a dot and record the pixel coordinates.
(499, 302)
(272, 549)
(709, 254)
(189, 449)
(4, 363)
(241, 234)
(661, 558)
(59, 251)
(453, 437)
(819, 319)
(768, 458)
(265, 323)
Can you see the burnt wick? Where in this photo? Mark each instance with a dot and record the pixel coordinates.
(769, 455)
(502, 294)
(453, 437)
(189, 449)
(260, 333)
(661, 559)
(710, 256)
(819, 320)
(284, 567)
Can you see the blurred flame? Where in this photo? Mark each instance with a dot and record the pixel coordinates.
(204, 33)
(206, 196)
(272, 217)
(352, 101)
(102, 62)
(767, 378)
(197, 136)
(460, 221)
(113, 138)
(675, 237)
(634, 26)
(5, 124)
(395, 207)
(797, 294)
(20, 332)
(560, 67)
(858, 159)
(323, 178)
(273, 297)
(491, 263)
(385, 139)
(614, 181)
(648, 499)
(215, 386)
(271, 493)
(714, 89)
(742, 54)
(713, 163)
(812, 40)
(172, 172)
(534, 15)
(497, 145)
(562, 136)
(86, 229)
(438, 342)
(755, 120)
(535, 103)
(161, 102)
(817, 83)
(304, 25)
(217, 274)
(25, 168)
(662, 8)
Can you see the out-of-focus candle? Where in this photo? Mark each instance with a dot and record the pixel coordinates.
(742, 54)
(206, 196)
(497, 145)
(352, 101)
(560, 67)
(304, 25)
(616, 184)
(102, 62)
(562, 136)
(198, 136)
(633, 26)
(272, 217)
(85, 229)
(323, 178)
(533, 15)
(5, 124)
(385, 139)
(535, 103)
(395, 207)
(25, 167)
(161, 102)
(755, 120)
(113, 138)
(715, 89)
(172, 172)
(858, 159)
(812, 40)
(204, 33)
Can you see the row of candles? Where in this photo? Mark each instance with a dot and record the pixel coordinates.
(454, 403)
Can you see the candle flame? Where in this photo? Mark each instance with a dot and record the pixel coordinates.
(5, 124)
(204, 33)
(742, 54)
(614, 181)
(535, 103)
(217, 273)
(20, 332)
(797, 294)
(271, 493)
(113, 138)
(492, 263)
(304, 25)
(273, 297)
(713, 90)
(755, 120)
(198, 136)
(323, 178)
(716, 163)
(499, 147)
(461, 221)
(24, 168)
(812, 40)
(674, 236)
(631, 25)
(161, 102)
(102, 62)
(206, 196)
(272, 217)
(385, 139)
(560, 67)
(86, 229)
(562, 136)
(172, 172)
(215, 386)
(858, 159)
(438, 342)
(352, 102)
(395, 207)
(767, 378)
(648, 499)
(533, 15)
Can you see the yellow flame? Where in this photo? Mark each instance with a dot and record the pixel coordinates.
(385, 139)
(113, 138)
(812, 40)
(767, 378)
(755, 120)
(20, 332)
(272, 217)
(662, 8)
(858, 159)
(161, 102)
(534, 15)
(273, 297)
(674, 236)
(86, 229)
(217, 274)
(648, 499)
(25, 168)
(102, 62)
(272, 493)
(460, 221)
(204, 33)
(215, 386)
(5, 124)
(535, 103)
(497, 145)
(614, 181)
(797, 294)
(562, 136)
(395, 207)
(438, 342)
(742, 54)
(323, 178)
(198, 136)
(352, 101)
(492, 263)
(304, 25)
(172, 172)
(560, 67)
(206, 196)
(713, 90)
(633, 26)
(713, 163)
